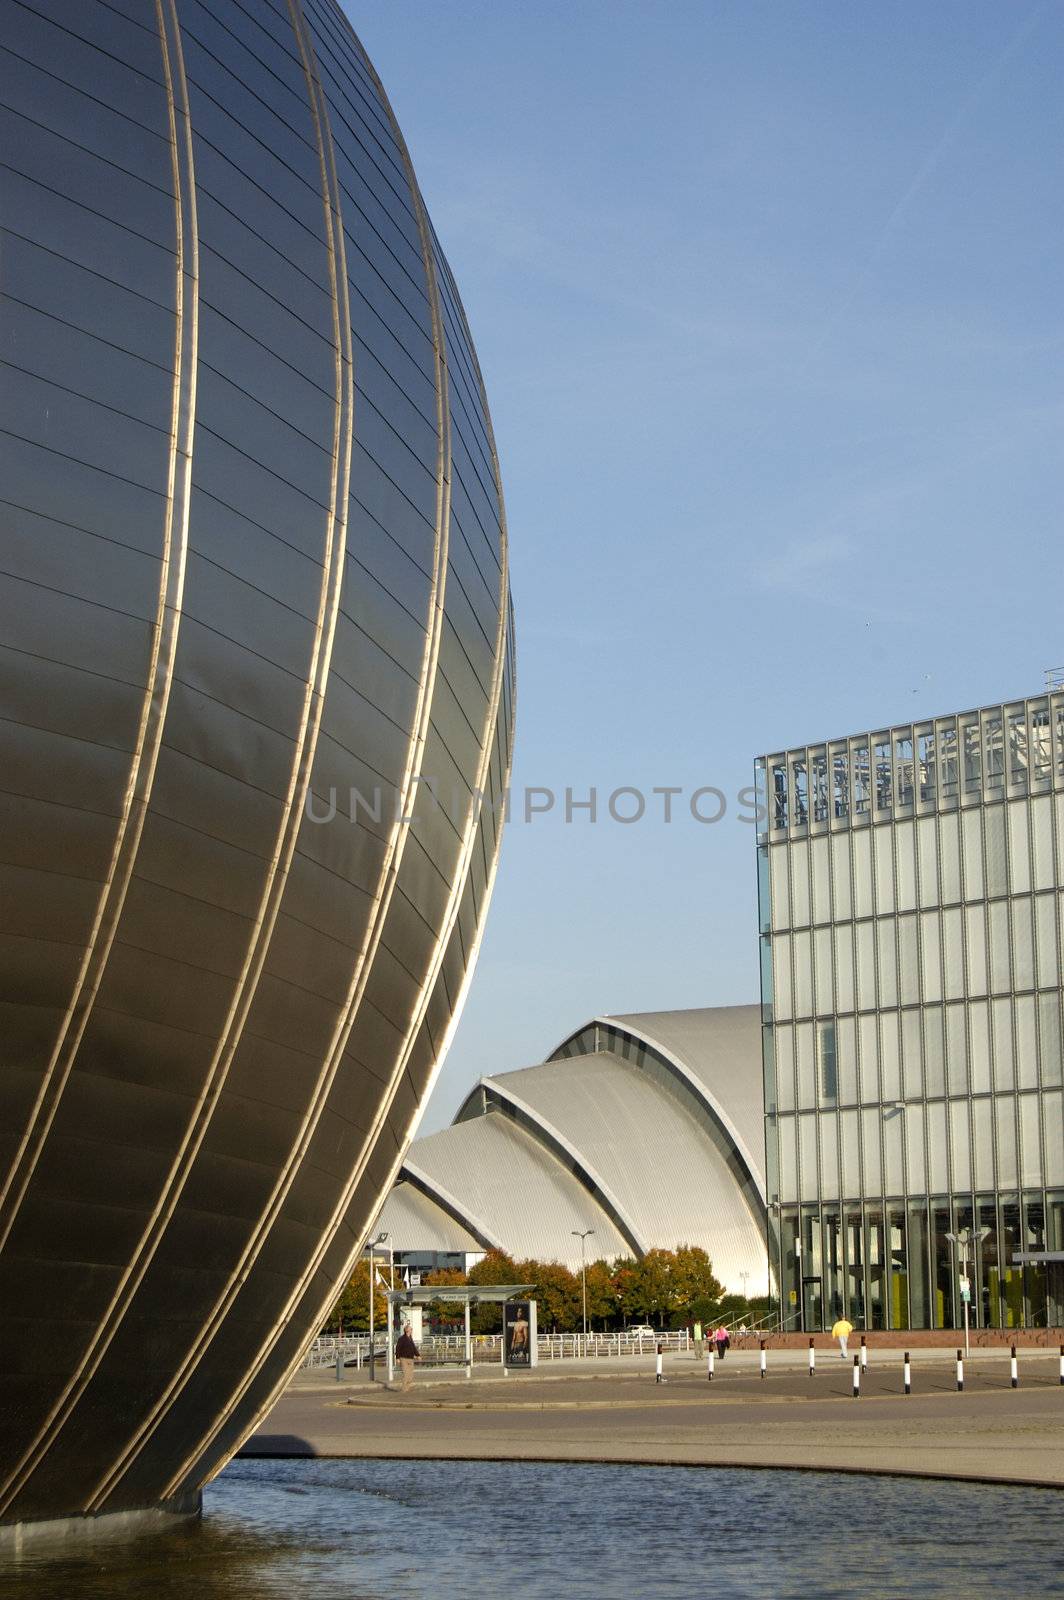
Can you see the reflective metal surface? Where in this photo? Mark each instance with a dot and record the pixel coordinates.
(257, 702)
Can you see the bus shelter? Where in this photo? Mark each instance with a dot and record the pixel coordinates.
(518, 1344)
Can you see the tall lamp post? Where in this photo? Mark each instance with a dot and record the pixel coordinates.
(372, 1342)
(588, 1233)
(965, 1243)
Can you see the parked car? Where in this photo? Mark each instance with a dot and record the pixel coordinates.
(643, 1330)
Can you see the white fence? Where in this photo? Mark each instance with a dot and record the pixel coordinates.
(444, 1349)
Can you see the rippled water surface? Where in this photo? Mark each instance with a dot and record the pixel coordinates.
(391, 1530)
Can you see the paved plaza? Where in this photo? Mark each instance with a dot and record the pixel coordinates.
(618, 1412)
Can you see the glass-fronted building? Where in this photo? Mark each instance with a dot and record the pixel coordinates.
(911, 898)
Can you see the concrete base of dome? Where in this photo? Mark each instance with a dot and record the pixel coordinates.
(62, 1533)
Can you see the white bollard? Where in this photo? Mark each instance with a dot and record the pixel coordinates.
(864, 1354)
(907, 1374)
(1062, 1365)
(812, 1360)
(764, 1359)
(658, 1375)
(960, 1371)
(710, 1358)
(856, 1377)
(1014, 1372)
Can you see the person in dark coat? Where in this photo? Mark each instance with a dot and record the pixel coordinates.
(406, 1354)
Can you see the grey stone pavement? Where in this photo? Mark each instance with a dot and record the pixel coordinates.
(610, 1410)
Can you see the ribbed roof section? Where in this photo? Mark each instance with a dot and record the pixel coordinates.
(654, 1169)
(410, 1214)
(513, 1190)
(721, 1046)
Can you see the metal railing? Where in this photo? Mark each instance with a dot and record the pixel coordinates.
(445, 1349)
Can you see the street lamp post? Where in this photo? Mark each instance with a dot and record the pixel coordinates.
(391, 1309)
(583, 1237)
(964, 1243)
(372, 1341)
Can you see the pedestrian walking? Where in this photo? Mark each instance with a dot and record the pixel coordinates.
(406, 1354)
(722, 1341)
(841, 1331)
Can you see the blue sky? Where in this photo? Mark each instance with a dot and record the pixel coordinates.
(767, 299)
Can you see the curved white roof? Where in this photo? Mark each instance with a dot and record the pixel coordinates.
(664, 1181)
(512, 1191)
(650, 1147)
(721, 1046)
(409, 1214)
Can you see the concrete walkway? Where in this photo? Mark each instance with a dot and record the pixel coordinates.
(990, 1432)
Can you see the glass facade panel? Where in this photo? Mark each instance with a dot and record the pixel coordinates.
(800, 883)
(1042, 841)
(893, 1151)
(850, 1144)
(862, 873)
(825, 969)
(953, 953)
(889, 1056)
(1045, 920)
(931, 955)
(1019, 873)
(829, 1157)
(956, 1050)
(972, 843)
(975, 946)
(866, 966)
(784, 1044)
(846, 1047)
(949, 852)
(914, 1149)
(780, 878)
(840, 873)
(807, 1154)
(927, 849)
(930, 1002)
(905, 857)
(908, 961)
(801, 945)
(1005, 1170)
(1030, 1141)
(887, 961)
(845, 991)
(883, 851)
(1001, 1051)
(818, 852)
(979, 1041)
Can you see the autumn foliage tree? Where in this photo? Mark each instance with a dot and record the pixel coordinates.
(666, 1287)
(445, 1313)
(350, 1312)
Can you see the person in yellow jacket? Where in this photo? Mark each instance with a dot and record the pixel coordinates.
(841, 1331)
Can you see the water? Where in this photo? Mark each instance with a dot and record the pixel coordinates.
(409, 1530)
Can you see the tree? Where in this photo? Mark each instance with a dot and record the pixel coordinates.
(603, 1299)
(557, 1292)
(350, 1312)
(647, 1286)
(495, 1268)
(445, 1313)
(692, 1277)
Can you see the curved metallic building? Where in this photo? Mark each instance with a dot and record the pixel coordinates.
(257, 706)
(646, 1129)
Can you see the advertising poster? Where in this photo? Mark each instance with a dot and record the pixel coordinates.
(519, 1334)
